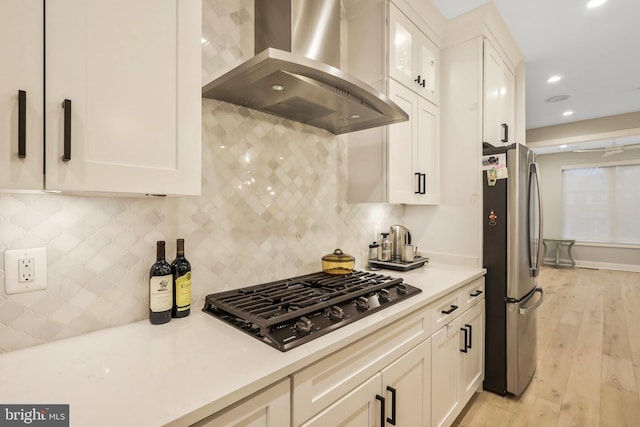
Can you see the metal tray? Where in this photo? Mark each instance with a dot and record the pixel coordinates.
(417, 262)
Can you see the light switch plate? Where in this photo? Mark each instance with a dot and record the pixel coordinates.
(25, 270)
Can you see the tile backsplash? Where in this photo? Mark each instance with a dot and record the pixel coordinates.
(273, 202)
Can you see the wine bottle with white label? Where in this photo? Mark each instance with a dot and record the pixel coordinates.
(160, 288)
(181, 283)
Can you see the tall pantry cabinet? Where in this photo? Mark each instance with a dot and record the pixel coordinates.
(392, 48)
(121, 108)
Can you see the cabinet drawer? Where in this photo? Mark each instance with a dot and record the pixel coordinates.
(270, 406)
(319, 385)
(473, 292)
(446, 309)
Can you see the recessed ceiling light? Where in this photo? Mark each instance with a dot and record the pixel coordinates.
(567, 113)
(278, 88)
(557, 98)
(595, 3)
(554, 79)
(355, 116)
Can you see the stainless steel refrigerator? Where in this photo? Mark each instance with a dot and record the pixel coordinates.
(512, 253)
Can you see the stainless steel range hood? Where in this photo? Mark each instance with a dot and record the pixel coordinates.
(295, 73)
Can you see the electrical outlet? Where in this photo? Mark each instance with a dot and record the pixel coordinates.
(25, 270)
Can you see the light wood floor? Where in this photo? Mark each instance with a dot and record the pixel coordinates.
(588, 371)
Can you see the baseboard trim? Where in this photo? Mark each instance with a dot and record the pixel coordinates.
(607, 266)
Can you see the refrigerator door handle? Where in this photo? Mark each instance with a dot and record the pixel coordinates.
(527, 310)
(535, 255)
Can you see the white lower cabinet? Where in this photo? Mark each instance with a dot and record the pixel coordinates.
(472, 364)
(402, 389)
(457, 364)
(358, 408)
(407, 386)
(269, 408)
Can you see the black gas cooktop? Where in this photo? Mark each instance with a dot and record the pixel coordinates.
(289, 312)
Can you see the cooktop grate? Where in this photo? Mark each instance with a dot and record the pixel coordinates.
(275, 307)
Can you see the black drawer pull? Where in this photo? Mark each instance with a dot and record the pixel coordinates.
(421, 183)
(475, 293)
(22, 124)
(451, 310)
(66, 154)
(392, 420)
(466, 339)
(382, 405)
(505, 132)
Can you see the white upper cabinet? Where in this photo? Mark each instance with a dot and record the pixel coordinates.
(413, 152)
(21, 91)
(413, 57)
(482, 65)
(499, 99)
(402, 151)
(399, 163)
(129, 74)
(122, 103)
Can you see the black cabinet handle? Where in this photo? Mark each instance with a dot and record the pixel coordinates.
(475, 293)
(392, 420)
(470, 334)
(418, 80)
(451, 310)
(66, 155)
(505, 132)
(466, 338)
(22, 124)
(382, 405)
(421, 183)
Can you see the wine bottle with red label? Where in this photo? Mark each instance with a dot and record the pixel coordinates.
(160, 288)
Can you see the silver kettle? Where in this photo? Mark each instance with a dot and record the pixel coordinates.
(399, 236)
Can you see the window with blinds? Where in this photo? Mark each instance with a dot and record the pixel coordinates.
(601, 204)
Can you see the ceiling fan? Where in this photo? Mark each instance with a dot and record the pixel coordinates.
(609, 150)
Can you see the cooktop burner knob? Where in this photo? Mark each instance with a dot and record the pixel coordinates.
(383, 295)
(304, 325)
(336, 313)
(362, 303)
(401, 288)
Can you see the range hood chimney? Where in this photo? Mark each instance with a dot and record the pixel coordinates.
(295, 71)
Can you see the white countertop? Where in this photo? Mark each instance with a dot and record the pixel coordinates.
(178, 373)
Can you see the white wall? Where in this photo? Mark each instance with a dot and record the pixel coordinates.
(452, 231)
(617, 257)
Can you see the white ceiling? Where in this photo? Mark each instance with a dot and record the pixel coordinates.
(596, 51)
